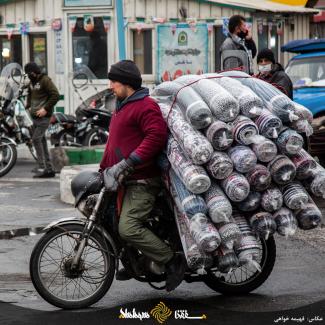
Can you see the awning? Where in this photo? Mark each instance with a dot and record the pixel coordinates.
(305, 45)
(266, 6)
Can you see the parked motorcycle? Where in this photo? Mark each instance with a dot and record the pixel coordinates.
(74, 263)
(15, 122)
(89, 130)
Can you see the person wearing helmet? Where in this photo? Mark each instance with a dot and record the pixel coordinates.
(42, 96)
(137, 135)
(272, 72)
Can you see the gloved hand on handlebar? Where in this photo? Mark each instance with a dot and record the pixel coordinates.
(115, 175)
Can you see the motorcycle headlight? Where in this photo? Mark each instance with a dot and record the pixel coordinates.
(87, 205)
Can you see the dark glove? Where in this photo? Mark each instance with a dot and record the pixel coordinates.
(115, 175)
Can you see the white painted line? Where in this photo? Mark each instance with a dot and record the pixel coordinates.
(30, 180)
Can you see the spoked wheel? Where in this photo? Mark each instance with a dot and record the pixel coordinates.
(8, 156)
(95, 137)
(246, 278)
(65, 139)
(53, 276)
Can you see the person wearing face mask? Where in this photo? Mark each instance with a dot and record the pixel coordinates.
(42, 96)
(273, 72)
(238, 49)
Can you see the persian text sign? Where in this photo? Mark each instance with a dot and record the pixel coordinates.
(80, 3)
(182, 49)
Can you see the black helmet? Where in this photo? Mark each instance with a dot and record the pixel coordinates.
(86, 183)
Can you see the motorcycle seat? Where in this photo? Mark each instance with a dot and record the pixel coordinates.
(65, 118)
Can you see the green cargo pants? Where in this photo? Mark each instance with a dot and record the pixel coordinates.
(137, 204)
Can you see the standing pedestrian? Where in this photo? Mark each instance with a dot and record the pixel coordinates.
(42, 96)
(238, 49)
(273, 72)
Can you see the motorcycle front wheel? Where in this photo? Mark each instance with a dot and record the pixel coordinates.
(8, 156)
(245, 278)
(57, 282)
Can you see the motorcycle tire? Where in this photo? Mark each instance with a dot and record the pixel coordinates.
(63, 139)
(32, 151)
(223, 283)
(61, 265)
(95, 137)
(11, 153)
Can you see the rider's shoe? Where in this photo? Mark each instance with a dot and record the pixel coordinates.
(45, 174)
(175, 270)
(123, 275)
(37, 170)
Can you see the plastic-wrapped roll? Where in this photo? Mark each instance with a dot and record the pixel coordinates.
(166, 88)
(264, 149)
(272, 199)
(204, 233)
(193, 177)
(247, 247)
(285, 221)
(259, 178)
(289, 142)
(220, 165)
(196, 259)
(316, 183)
(250, 104)
(304, 163)
(309, 216)
(226, 259)
(194, 108)
(244, 130)
(282, 170)
(303, 124)
(219, 207)
(222, 104)
(229, 233)
(251, 203)
(194, 144)
(188, 79)
(262, 224)
(236, 187)
(278, 103)
(268, 125)
(191, 203)
(220, 135)
(295, 196)
(243, 158)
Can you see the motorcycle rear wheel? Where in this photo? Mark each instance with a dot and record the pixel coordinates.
(53, 278)
(95, 137)
(8, 156)
(234, 283)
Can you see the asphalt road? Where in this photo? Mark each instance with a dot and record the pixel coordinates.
(295, 289)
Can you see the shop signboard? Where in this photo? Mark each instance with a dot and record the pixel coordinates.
(182, 49)
(83, 3)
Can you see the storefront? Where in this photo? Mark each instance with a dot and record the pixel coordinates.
(76, 40)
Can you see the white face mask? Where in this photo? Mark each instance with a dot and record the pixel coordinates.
(265, 68)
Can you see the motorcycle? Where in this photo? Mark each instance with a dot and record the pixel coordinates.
(90, 125)
(15, 122)
(73, 265)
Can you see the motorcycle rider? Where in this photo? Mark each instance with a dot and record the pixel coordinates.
(138, 133)
(42, 96)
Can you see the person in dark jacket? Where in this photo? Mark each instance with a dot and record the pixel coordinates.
(42, 96)
(137, 134)
(273, 72)
(238, 49)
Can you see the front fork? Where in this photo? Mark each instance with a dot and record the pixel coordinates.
(87, 231)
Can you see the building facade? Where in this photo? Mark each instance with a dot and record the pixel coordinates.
(75, 41)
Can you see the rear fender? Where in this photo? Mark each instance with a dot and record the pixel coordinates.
(81, 222)
(9, 140)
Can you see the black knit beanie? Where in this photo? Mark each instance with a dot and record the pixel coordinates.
(265, 54)
(127, 73)
(32, 67)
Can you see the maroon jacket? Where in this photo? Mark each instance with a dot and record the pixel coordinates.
(137, 131)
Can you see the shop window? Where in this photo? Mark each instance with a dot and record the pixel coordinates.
(268, 38)
(263, 36)
(142, 50)
(10, 50)
(38, 50)
(219, 37)
(90, 50)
